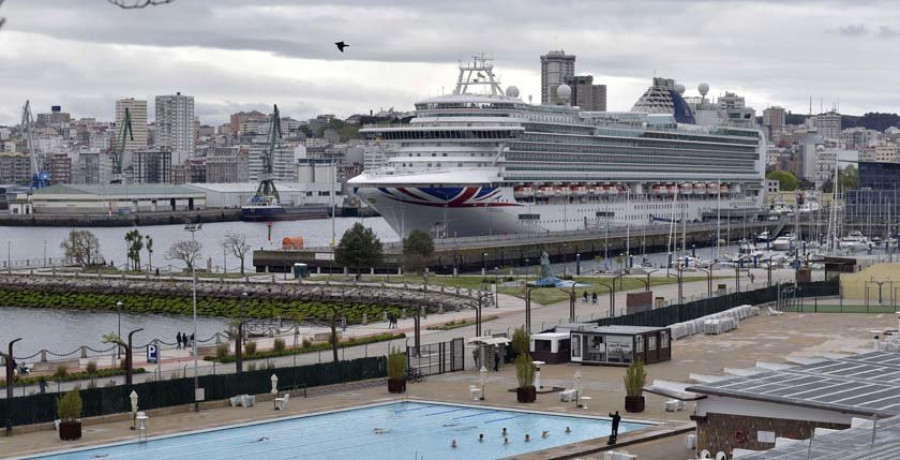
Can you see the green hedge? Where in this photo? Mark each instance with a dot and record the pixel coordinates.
(182, 305)
(308, 349)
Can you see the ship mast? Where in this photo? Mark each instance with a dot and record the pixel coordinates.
(479, 72)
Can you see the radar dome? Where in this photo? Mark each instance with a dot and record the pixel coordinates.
(820, 148)
(512, 91)
(564, 92)
(680, 88)
(703, 88)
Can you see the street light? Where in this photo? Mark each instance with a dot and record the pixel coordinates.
(528, 290)
(680, 274)
(483, 263)
(119, 314)
(708, 272)
(612, 293)
(194, 228)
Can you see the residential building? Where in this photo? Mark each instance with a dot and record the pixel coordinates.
(15, 168)
(829, 125)
(56, 118)
(586, 94)
(556, 67)
(152, 166)
(93, 166)
(773, 120)
(59, 167)
(138, 140)
(237, 119)
(284, 164)
(175, 127)
(227, 164)
(886, 153)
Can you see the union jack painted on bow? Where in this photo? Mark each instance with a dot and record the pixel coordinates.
(452, 197)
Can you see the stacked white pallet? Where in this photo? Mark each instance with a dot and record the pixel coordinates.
(727, 321)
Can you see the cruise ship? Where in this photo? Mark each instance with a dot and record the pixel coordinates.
(481, 161)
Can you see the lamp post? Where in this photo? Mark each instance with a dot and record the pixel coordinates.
(612, 294)
(129, 357)
(119, 315)
(679, 270)
(483, 263)
(239, 342)
(708, 272)
(647, 284)
(194, 228)
(10, 382)
(528, 290)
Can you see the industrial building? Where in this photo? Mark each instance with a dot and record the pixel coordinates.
(235, 195)
(107, 199)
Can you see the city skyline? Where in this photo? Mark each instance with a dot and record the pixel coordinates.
(232, 56)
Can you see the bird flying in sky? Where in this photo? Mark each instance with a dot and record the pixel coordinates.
(341, 46)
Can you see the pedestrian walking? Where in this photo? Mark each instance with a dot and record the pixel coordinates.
(584, 297)
(752, 277)
(192, 340)
(496, 359)
(178, 339)
(594, 298)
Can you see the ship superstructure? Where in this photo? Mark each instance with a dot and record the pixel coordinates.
(480, 161)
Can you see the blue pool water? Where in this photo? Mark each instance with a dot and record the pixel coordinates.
(411, 430)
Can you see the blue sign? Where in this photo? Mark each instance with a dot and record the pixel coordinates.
(152, 353)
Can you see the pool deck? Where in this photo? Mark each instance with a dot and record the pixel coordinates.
(762, 338)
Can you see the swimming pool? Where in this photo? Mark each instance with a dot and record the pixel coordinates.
(390, 431)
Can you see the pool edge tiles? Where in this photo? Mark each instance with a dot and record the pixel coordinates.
(349, 431)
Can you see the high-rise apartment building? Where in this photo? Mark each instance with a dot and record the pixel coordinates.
(237, 119)
(773, 120)
(175, 126)
(829, 125)
(138, 111)
(227, 164)
(15, 168)
(556, 67)
(284, 165)
(586, 94)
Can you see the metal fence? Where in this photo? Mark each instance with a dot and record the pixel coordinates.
(41, 408)
(437, 358)
(662, 317)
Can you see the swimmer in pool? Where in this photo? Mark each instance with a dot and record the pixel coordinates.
(527, 437)
(481, 437)
(380, 430)
(568, 430)
(505, 440)
(545, 433)
(453, 444)
(504, 432)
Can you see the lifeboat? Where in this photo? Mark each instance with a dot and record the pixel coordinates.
(723, 188)
(579, 190)
(564, 191)
(524, 192)
(292, 243)
(612, 190)
(671, 189)
(624, 189)
(686, 189)
(659, 189)
(700, 189)
(545, 191)
(712, 189)
(596, 189)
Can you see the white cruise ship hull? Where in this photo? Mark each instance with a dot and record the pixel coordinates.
(484, 210)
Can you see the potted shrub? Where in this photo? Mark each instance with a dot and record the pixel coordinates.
(526, 392)
(520, 342)
(69, 410)
(635, 379)
(396, 369)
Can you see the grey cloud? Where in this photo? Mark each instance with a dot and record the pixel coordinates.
(853, 30)
(888, 32)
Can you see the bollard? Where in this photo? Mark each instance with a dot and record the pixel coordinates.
(365, 319)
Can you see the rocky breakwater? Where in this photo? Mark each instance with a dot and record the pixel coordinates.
(308, 301)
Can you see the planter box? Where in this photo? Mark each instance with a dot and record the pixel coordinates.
(634, 403)
(526, 395)
(69, 431)
(397, 386)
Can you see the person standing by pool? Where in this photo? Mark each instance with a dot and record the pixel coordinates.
(496, 359)
(615, 428)
(178, 340)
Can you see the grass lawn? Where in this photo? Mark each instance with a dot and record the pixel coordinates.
(543, 296)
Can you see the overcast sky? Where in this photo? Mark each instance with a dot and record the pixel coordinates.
(236, 55)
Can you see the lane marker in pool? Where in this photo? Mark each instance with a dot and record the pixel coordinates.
(447, 412)
(505, 418)
(475, 415)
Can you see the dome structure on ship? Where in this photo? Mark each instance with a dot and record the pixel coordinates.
(663, 96)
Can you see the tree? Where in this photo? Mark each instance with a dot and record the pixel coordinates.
(135, 244)
(138, 4)
(417, 248)
(236, 244)
(149, 253)
(850, 178)
(359, 247)
(82, 247)
(787, 182)
(186, 251)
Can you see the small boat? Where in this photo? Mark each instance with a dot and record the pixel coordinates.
(763, 237)
(855, 241)
(784, 243)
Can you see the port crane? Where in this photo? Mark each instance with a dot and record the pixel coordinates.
(39, 177)
(266, 193)
(118, 166)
